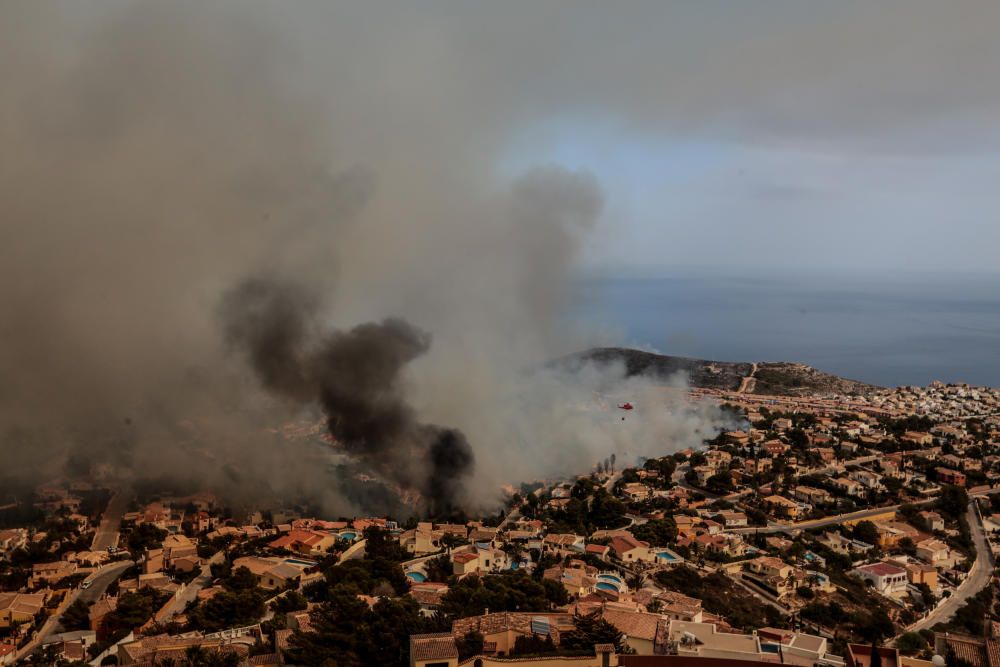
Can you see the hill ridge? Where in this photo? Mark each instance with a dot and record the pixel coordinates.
(776, 378)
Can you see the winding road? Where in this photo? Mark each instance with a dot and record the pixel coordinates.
(979, 576)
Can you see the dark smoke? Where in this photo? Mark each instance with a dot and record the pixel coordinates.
(355, 377)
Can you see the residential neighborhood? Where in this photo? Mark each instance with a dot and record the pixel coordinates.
(804, 534)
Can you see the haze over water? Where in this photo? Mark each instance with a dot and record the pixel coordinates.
(886, 329)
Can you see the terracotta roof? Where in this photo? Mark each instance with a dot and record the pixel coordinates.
(633, 624)
(882, 569)
(440, 646)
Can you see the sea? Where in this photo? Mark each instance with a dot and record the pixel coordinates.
(884, 328)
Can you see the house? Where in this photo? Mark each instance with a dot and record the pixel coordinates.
(772, 574)
(949, 476)
(757, 466)
(782, 506)
(599, 550)
(563, 544)
(933, 551)
(703, 640)
(794, 647)
(51, 573)
(639, 628)
(502, 629)
(849, 487)
(859, 655)
(934, 520)
(578, 581)
(869, 480)
(465, 563)
(812, 495)
(718, 458)
(157, 649)
(917, 438)
(636, 491)
(775, 448)
(921, 573)
(733, 519)
(17, 608)
(891, 533)
(278, 573)
(702, 474)
(434, 650)
(737, 437)
(826, 454)
(628, 549)
(12, 539)
(886, 578)
(305, 542)
(679, 607)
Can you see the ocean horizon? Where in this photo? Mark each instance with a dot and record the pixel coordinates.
(887, 329)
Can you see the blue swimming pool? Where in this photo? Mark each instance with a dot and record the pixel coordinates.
(666, 555)
(347, 536)
(300, 563)
(610, 577)
(605, 586)
(418, 577)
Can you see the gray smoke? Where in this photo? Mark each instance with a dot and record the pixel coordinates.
(153, 155)
(355, 376)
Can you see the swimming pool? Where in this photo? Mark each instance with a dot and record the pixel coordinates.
(666, 555)
(300, 563)
(605, 586)
(347, 536)
(610, 577)
(418, 577)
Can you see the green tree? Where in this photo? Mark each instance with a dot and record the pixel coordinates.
(866, 531)
(658, 532)
(911, 642)
(76, 616)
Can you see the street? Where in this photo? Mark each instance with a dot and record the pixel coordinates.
(107, 532)
(979, 576)
(101, 579)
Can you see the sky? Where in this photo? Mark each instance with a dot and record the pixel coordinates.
(456, 165)
(780, 133)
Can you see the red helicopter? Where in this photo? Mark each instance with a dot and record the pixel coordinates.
(626, 406)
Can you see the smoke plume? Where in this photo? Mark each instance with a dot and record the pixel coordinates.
(355, 376)
(154, 155)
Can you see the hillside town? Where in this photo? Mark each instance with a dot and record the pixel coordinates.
(831, 530)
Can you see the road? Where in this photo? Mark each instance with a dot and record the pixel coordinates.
(979, 576)
(101, 579)
(747, 384)
(825, 521)
(107, 532)
(843, 518)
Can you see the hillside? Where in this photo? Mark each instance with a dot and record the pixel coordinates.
(775, 378)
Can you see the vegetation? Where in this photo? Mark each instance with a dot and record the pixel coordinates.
(509, 591)
(720, 595)
(241, 602)
(347, 633)
(76, 616)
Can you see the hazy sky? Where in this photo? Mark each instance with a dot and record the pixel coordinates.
(781, 133)
(847, 135)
